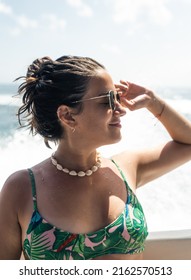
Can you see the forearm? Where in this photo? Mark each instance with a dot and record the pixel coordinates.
(136, 97)
(177, 125)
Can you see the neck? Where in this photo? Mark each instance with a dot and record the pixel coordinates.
(75, 159)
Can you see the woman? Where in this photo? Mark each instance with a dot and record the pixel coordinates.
(77, 204)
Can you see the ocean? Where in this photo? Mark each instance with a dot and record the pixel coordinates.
(166, 201)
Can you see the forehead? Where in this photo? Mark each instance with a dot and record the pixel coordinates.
(99, 84)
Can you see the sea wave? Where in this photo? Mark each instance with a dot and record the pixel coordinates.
(7, 99)
(181, 105)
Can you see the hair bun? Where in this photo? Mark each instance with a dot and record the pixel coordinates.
(31, 79)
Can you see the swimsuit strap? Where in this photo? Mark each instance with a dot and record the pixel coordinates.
(129, 190)
(32, 179)
(121, 172)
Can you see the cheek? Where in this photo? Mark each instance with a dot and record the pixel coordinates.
(96, 116)
(100, 121)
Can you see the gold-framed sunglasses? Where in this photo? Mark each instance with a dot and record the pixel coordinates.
(113, 97)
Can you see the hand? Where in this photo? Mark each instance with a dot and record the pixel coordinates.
(134, 96)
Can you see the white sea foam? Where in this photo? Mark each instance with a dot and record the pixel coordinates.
(181, 105)
(6, 99)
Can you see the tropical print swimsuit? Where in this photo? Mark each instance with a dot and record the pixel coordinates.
(125, 235)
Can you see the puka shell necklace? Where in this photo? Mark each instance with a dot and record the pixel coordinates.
(88, 172)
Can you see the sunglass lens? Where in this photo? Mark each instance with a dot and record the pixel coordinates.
(112, 100)
(118, 97)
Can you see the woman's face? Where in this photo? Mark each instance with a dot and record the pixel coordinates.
(97, 123)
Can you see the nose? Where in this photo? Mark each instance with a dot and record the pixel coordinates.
(119, 109)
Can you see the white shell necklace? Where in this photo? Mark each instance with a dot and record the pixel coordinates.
(88, 172)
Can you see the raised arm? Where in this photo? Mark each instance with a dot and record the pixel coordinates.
(155, 162)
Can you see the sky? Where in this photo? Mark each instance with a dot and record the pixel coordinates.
(142, 41)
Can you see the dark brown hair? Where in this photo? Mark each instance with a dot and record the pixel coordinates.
(49, 84)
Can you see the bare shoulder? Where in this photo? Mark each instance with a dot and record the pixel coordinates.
(16, 180)
(12, 203)
(128, 161)
(20, 180)
(126, 158)
(15, 187)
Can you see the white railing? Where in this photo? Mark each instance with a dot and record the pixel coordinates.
(168, 245)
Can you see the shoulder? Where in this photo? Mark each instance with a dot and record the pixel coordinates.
(16, 179)
(127, 157)
(13, 200)
(20, 179)
(127, 162)
(15, 187)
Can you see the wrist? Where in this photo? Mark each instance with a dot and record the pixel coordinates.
(156, 106)
(161, 112)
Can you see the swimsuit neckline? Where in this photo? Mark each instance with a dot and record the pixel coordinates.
(83, 234)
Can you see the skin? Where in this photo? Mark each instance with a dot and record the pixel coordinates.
(91, 202)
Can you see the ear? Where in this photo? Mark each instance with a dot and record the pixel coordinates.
(65, 116)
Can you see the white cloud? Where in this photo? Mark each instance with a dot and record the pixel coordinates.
(5, 9)
(82, 8)
(21, 22)
(25, 22)
(111, 48)
(15, 32)
(132, 11)
(47, 21)
(126, 10)
(53, 22)
(159, 13)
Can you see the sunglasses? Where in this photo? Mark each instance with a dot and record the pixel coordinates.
(113, 97)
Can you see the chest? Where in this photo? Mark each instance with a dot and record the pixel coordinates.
(84, 207)
(111, 239)
(86, 211)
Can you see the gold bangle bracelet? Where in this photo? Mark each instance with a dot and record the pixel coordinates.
(160, 114)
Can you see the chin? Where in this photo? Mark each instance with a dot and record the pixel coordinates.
(115, 139)
(111, 138)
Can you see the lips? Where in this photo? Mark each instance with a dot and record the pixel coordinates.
(115, 124)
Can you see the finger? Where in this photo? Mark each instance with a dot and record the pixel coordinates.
(120, 88)
(123, 82)
(129, 104)
(123, 86)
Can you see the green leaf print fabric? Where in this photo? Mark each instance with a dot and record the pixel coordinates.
(125, 235)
